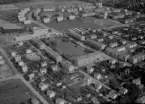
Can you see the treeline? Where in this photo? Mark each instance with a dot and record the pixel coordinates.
(12, 1)
(135, 5)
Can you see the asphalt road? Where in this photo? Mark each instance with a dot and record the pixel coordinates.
(97, 81)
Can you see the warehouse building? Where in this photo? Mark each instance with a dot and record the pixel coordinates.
(88, 59)
(96, 45)
(68, 66)
(76, 35)
(53, 54)
(38, 43)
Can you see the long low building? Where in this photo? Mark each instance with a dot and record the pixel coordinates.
(54, 55)
(51, 53)
(95, 44)
(68, 66)
(38, 43)
(76, 35)
(90, 58)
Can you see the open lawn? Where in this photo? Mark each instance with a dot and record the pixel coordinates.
(8, 25)
(9, 19)
(47, 3)
(14, 92)
(5, 70)
(65, 25)
(10, 15)
(70, 49)
(89, 22)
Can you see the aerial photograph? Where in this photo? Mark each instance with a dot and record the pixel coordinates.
(72, 51)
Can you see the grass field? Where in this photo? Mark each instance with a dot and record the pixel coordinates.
(70, 49)
(14, 92)
(48, 3)
(65, 25)
(5, 70)
(84, 23)
(10, 15)
(9, 19)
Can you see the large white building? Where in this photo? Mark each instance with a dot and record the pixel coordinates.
(87, 59)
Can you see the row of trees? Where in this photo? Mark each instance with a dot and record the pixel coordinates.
(11, 1)
(135, 5)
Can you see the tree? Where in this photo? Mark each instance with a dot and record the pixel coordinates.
(12, 1)
(22, 103)
(2, 30)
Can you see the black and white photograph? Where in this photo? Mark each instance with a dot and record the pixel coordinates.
(72, 51)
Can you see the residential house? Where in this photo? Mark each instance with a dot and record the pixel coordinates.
(43, 86)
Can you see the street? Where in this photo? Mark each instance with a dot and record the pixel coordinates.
(97, 81)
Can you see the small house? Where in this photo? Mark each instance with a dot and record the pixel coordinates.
(21, 63)
(112, 95)
(60, 101)
(24, 68)
(31, 76)
(51, 93)
(28, 51)
(17, 58)
(2, 62)
(43, 70)
(35, 101)
(44, 64)
(43, 86)
(13, 53)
